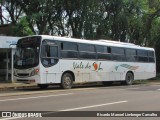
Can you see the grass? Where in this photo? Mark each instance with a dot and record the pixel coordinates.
(153, 80)
(158, 77)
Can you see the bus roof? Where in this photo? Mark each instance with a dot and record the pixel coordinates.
(96, 42)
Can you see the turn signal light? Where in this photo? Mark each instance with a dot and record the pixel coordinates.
(37, 71)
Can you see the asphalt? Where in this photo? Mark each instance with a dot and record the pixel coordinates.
(139, 97)
(14, 86)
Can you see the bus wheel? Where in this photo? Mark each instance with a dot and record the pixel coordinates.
(67, 80)
(129, 78)
(43, 86)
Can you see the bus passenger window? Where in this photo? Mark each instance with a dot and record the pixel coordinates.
(49, 55)
(61, 46)
(109, 49)
(48, 51)
(53, 51)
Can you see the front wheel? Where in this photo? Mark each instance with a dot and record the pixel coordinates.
(129, 79)
(67, 81)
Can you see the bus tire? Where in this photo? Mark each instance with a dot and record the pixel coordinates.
(67, 81)
(43, 86)
(129, 78)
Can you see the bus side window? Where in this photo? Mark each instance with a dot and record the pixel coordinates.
(49, 53)
(109, 49)
(151, 56)
(61, 46)
(87, 51)
(43, 51)
(131, 55)
(53, 51)
(142, 56)
(103, 52)
(69, 50)
(118, 54)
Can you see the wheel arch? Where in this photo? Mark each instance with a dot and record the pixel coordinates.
(129, 78)
(68, 71)
(131, 73)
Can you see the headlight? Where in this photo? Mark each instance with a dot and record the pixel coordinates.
(35, 72)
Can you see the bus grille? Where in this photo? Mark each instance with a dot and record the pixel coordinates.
(23, 74)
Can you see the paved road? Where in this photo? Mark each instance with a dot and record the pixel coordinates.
(100, 98)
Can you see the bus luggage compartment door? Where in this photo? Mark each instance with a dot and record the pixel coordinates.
(50, 75)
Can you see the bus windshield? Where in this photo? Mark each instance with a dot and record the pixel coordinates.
(27, 52)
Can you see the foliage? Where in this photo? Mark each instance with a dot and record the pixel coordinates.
(134, 21)
(21, 28)
(12, 9)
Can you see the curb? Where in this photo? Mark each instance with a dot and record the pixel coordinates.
(15, 86)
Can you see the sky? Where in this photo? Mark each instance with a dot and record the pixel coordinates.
(5, 14)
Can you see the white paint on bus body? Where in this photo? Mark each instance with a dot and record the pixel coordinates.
(91, 70)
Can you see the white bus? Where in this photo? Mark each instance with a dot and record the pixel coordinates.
(46, 60)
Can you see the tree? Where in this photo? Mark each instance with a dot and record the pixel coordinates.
(12, 9)
(121, 20)
(21, 28)
(152, 14)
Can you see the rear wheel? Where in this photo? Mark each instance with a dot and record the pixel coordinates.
(129, 79)
(67, 81)
(43, 86)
